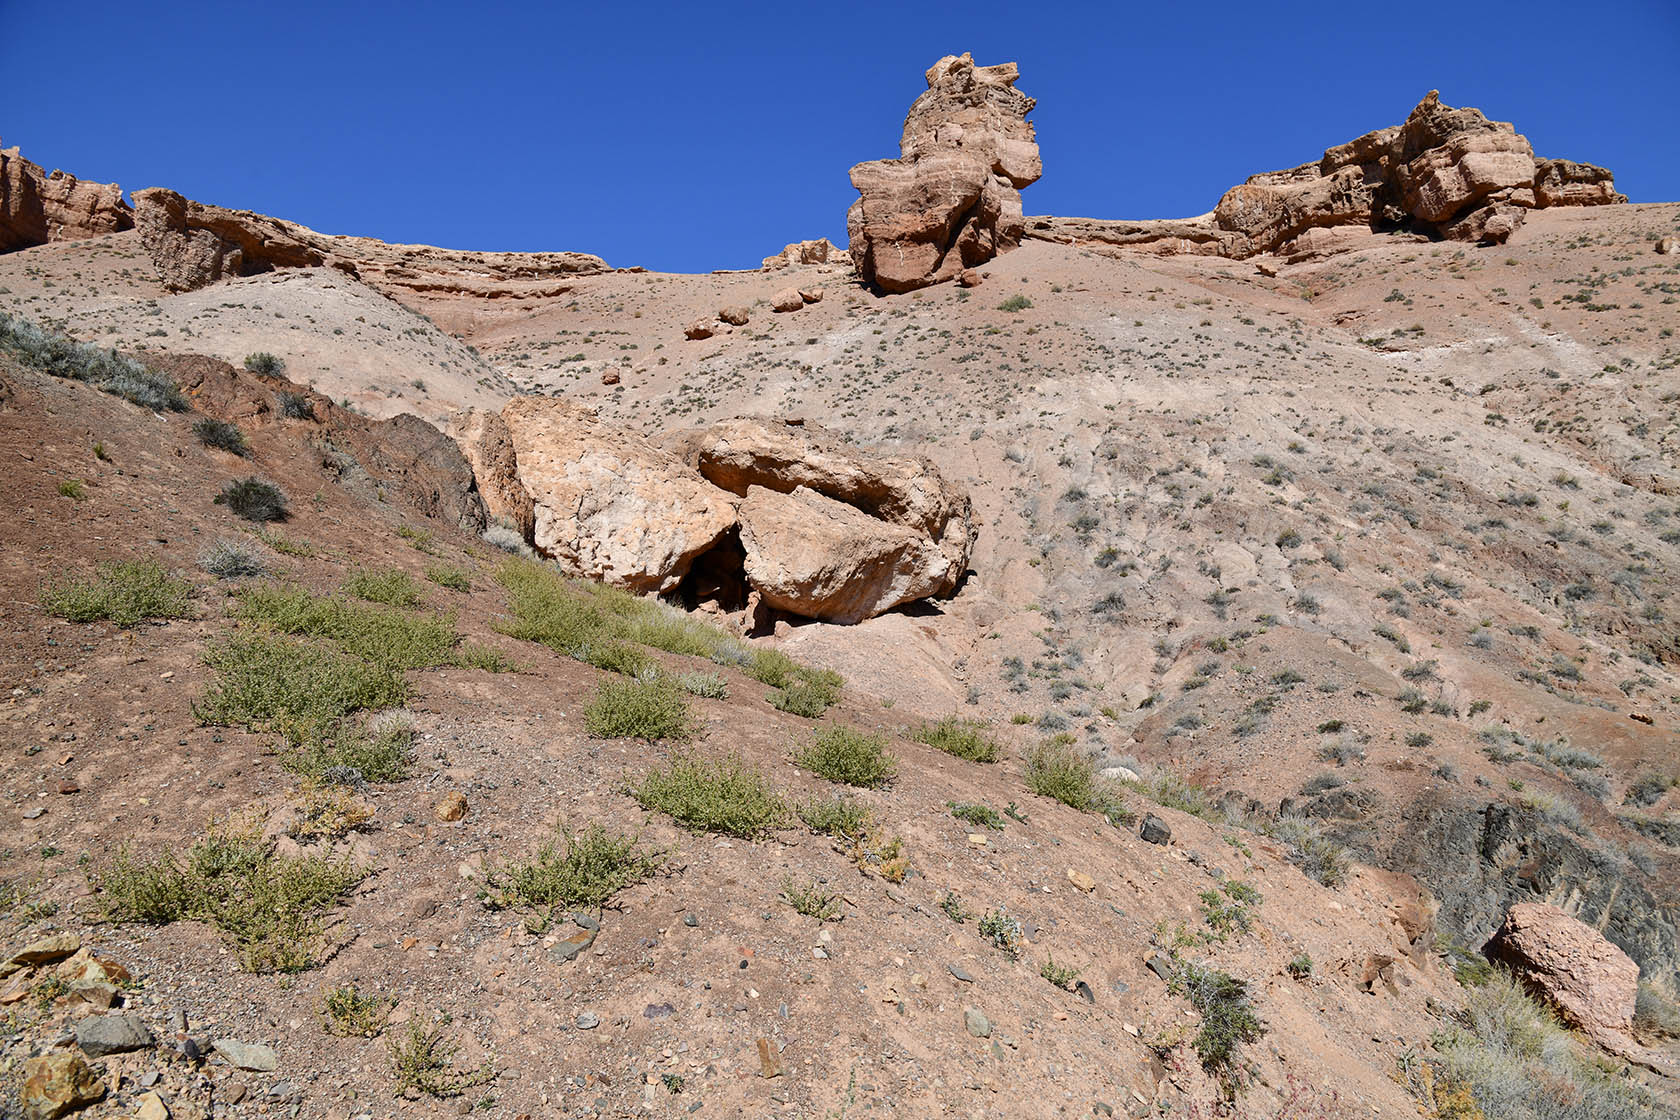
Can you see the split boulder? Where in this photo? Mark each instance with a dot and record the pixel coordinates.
(1573, 967)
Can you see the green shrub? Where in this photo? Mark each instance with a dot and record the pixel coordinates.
(842, 754)
(347, 1013)
(726, 796)
(840, 817)
(1228, 1020)
(352, 755)
(394, 640)
(584, 869)
(73, 488)
(425, 1064)
(1003, 931)
(105, 370)
(450, 576)
(1318, 856)
(1300, 966)
(1061, 976)
(811, 899)
(799, 690)
(126, 592)
(269, 905)
(391, 586)
(711, 686)
(264, 362)
(649, 709)
(1227, 908)
(1015, 303)
(221, 435)
(964, 738)
(1058, 771)
(254, 500)
(298, 689)
(295, 406)
(981, 816)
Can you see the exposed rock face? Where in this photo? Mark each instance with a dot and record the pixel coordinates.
(819, 558)
(193, 244)
(404, 457)
(904, 491)
(748, 511)
(36, 207)
(607, 504)
(820, 251)
(1592, 983)
(1445, 172)
(952, 200)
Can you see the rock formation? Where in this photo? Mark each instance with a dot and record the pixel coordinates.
(952, 200)
(1445, 172)
(817, 528)
(607, 504)
(820, 251)
(1592, 983)
(36, 208)
(193, 244)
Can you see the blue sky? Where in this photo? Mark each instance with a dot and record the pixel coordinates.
(691, 136)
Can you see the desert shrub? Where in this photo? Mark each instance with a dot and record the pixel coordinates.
(73, 488)
(265, 363)
(980, 816)
(391, 586)
(1228, 908)
(231, 558)
(450, 576)
(1059, 771)
(584, 869)
(843, 754)
(1519, 1063)
(269, 905)
(348, 1013)
(1015, 303)
(1655, 1013)
(1003, 931)
(1060, 975)
(964, 738)
(221, 435)
(811, 899)
(254, 500)
(105, 370)
(1300, 966)
(727, 795)
(1228, 1020)
(652, 708)
(424, 1064)
(354, 756)
(295, 688)
(295, 406)
(126, 592)
(799, 690)
(1647, 790)
(393, 640)
(839, 817)
(1318, 856)
(710, 686)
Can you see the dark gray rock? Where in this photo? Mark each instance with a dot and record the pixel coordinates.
(1155, 830)
(112, 1034)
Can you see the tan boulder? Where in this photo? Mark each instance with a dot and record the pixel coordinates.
(700, 328)
(820, 251)
(36, 207)
(811, 295)
(952, 200)
(608, 505)
(969, 278)
(788, 299)
(1668, 245)
(819, 558)
(1591, 982)
(901, 490)
(58, 1083)
(735, 316)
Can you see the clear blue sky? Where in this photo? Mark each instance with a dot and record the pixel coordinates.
(691, 136)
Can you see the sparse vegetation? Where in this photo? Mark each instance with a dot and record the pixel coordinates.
(843, 754)
(231, 558)
(811, 899)
(390, 586)
(349, 1013)
(651, 708)
(424, 1064)
(1228, 1020)
(1058, 771)
(264, 363)
(727, 795)
(105, 370)
(221, 435)
(126, 592)
(570, 870)
(980, 816)
(254, 500)
(270, 906)
(964, 738)
(840, 817)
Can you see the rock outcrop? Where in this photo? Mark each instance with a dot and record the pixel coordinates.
(607, 504)
(193, 244)
(1445, 172)
(36, 207)
(813, 556)
(1573, 967)
(899, 490)
(815, 527)
(952, 200)
(820, 251)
